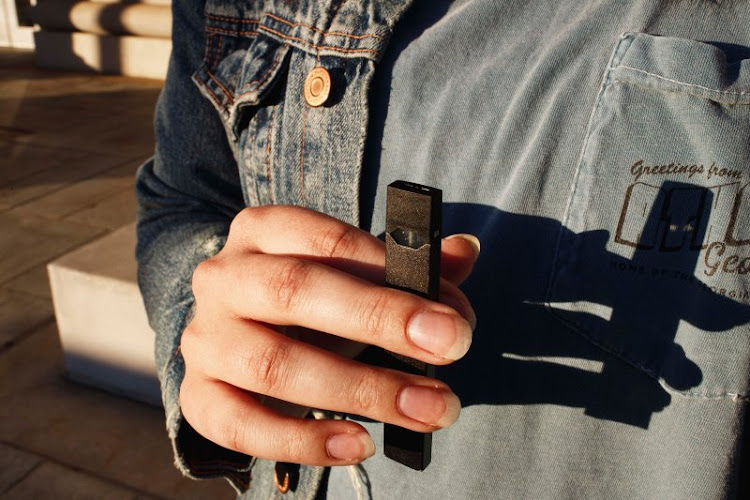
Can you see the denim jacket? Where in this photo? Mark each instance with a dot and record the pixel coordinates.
(599, 152)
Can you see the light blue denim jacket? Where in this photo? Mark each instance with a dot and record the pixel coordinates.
(601, 153)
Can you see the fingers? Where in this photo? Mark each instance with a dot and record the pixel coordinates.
(284, 230)
(261, 360)
(234, 419)
(296, 231)
(289, 291)
(459, 252)
(286, 266)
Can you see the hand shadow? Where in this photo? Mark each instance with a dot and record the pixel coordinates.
(614, 350)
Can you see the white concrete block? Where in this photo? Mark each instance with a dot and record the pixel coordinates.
(119, 18)
(137, 56)
(105, 335)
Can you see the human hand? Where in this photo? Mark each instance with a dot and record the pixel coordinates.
(285, 266)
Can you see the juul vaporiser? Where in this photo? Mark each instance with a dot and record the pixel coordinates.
(412, 263)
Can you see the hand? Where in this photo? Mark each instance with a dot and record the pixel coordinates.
(285, 266)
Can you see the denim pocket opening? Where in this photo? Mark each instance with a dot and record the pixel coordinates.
(239, 74)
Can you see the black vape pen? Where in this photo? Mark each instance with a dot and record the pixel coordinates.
(412, 263)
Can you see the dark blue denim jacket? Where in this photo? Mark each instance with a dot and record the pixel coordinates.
(599, 151)
(249, 60)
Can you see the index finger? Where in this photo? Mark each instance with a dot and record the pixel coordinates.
(304, 233)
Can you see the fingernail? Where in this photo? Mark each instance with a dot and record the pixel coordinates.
(357, 446)
(445, 335)
(476, 245)
(429, 405)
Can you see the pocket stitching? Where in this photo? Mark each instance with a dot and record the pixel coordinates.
(616, 57)
(692, 85)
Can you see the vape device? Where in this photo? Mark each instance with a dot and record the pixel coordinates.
(412, 263)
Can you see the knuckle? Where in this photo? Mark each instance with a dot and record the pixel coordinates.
(188, 343)
(228, 427)
(294, 443)
(233, 431)
(204, 275)
(374, 312)
(366, 392)
(337, 240)
(242, 221)
(245, 224)
(192, 408)
(285, 284)
(267, 364)
(186, 402)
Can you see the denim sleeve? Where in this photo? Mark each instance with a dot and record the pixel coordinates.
(187, 194)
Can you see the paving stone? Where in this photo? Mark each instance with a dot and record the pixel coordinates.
(29, 171)
(29, 241)
(58, 129)
(41, 82)
(15, 57)
(107, 114)
(115, 211)
(34, 282)
(82, 194)
(51, 480)
(14, 465)
(88, 118)
(94, 432)
(19, 313)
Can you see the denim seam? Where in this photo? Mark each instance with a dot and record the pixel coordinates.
(217, 54)
(205, 89)
(322, 32)
(738, 101)
(248, 172)
(210, 53)
(295, 25)
(579, 167)
(268, 149)
(318, 47)
(692, 85)
(294, 38)
(223, 31)
(302, 155)
(215, 97)
(213, 29)
(217, 82)
(232, 19)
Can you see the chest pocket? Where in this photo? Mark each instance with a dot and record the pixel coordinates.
(241, 75)
(654, 265)
(290, 149)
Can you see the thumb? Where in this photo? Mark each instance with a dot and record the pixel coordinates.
(458, 254)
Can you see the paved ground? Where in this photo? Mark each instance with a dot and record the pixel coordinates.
(69, 147)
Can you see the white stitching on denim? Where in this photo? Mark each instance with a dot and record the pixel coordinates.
(655, 75)
(717, 97)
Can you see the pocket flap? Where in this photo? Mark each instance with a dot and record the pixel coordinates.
(711, 70)
(238, 71)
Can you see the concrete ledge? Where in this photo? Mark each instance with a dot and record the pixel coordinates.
(104, 332)
(140, 19)
(143, 57)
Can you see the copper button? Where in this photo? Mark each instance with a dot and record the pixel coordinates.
(317, 87)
